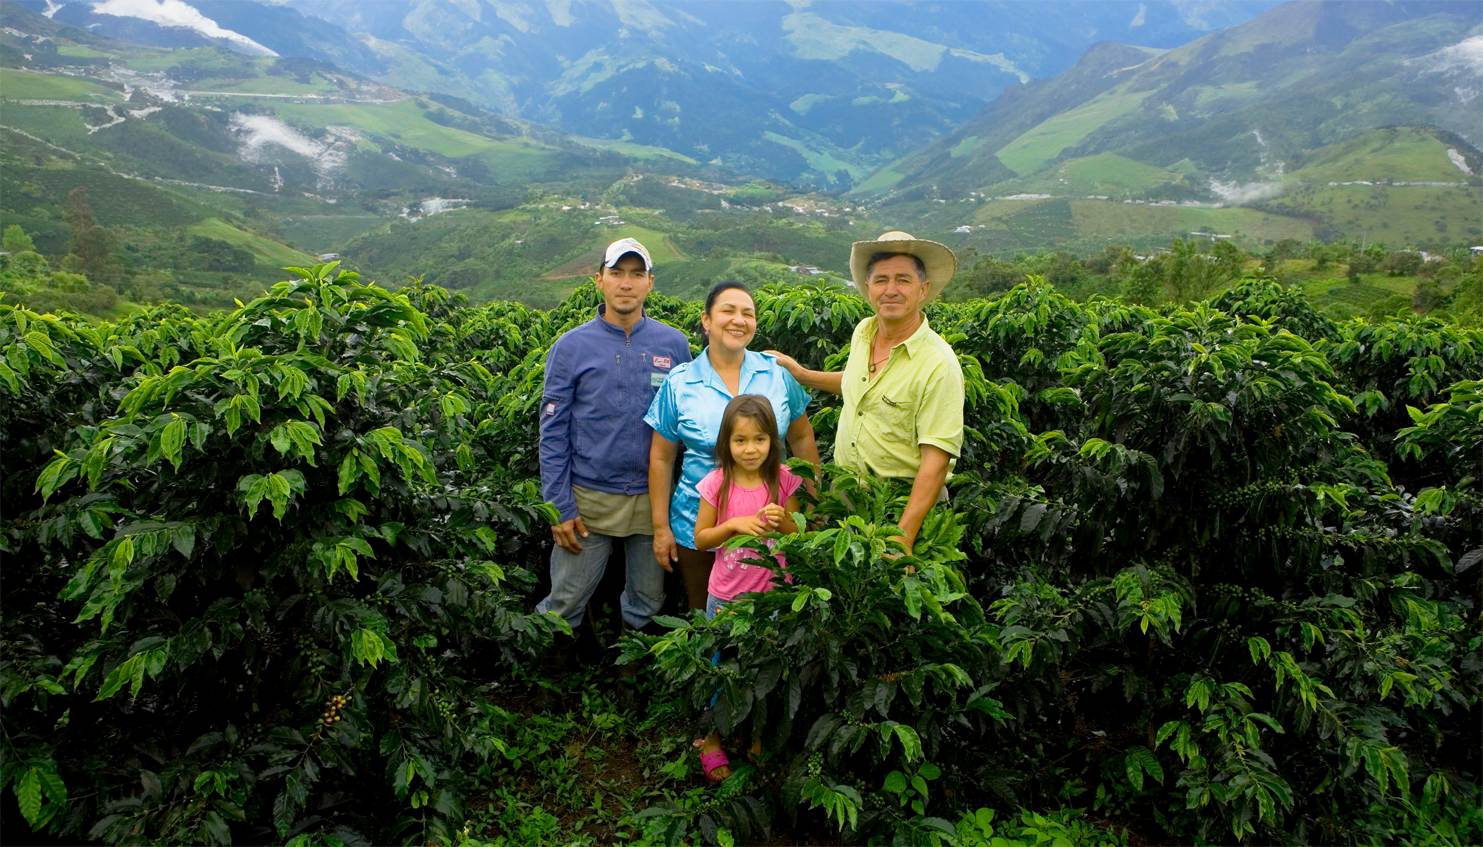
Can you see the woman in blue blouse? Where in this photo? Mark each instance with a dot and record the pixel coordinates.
(687, 410)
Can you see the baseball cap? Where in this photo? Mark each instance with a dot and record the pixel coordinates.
(622, 247)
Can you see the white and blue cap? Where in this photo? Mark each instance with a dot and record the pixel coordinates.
(622, 247)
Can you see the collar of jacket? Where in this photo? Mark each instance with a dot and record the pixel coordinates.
(602, 309)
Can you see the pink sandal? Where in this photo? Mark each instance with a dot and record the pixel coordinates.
(712, 761)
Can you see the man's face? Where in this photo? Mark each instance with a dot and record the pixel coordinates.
(895, 290)
(625, 286)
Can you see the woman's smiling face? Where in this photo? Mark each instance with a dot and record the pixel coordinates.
(731, 322)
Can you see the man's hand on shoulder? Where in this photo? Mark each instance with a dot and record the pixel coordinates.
(789, 363)
(569, 534)
(829, 381)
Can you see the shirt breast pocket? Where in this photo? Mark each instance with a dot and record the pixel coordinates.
(898, 414)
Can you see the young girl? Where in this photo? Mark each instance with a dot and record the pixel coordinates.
(751, 493)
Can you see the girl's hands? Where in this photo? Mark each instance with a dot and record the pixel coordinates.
(749, 525)
(769, 518)
(773, 515)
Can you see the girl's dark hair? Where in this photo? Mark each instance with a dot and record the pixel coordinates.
(759, 409)
(716, 291)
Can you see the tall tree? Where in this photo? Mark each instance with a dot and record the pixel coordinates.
(79, 213)
(92, 244)
(15, 240)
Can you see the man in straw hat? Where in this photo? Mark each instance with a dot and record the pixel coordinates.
(902, 385)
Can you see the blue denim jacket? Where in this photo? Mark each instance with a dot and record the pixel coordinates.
(599, 382)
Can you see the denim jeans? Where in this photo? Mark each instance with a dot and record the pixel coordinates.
(713, 607)
(575, 576)
(713, 604)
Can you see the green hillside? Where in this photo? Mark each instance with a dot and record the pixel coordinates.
(1412, 216)
(267, 163)
(1267, 133)
(1398, 154)
(539, 253)
(1326, 119)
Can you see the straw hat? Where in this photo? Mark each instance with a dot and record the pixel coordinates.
(940, 262)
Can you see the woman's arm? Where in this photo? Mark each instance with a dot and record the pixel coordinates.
(661, 471)
(801, 441)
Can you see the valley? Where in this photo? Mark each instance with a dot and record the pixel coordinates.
(287, 159)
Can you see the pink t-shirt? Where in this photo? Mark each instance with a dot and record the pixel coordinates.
(731, 576)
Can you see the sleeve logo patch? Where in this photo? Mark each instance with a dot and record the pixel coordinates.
(663, 362)
(550, 409)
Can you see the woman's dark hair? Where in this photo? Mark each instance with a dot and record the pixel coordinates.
(725, 285)
(759, 409)
(718, 289)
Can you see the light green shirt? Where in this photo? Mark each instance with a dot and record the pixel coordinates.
(916, 398)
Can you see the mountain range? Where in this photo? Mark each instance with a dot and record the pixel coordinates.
(813, 93)
(1310, 111)
(1241, 105)
(379, 130)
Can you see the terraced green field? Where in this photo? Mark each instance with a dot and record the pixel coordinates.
(1104, 173)
(79, 51)
(201, 59)
(317, 84)
(267, 251)
(636, 151)
(818, 160)
(1033, 149)
(405, 123)
(17, 84)
(881, 180)
(320, 233)
(402, 121)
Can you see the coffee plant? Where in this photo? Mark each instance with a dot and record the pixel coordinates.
(1207, 574)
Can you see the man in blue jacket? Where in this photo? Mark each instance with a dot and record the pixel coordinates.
(600, 378)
